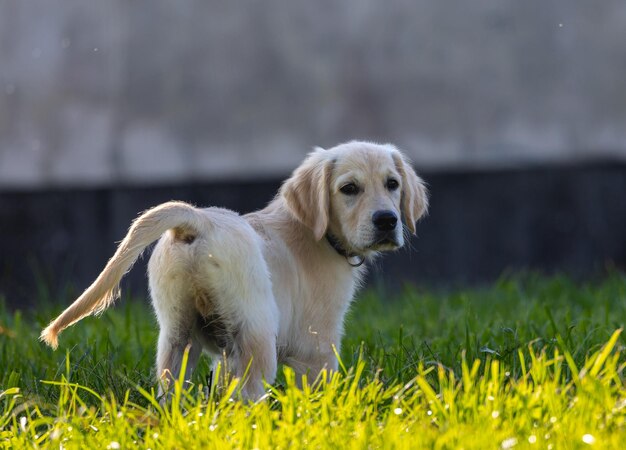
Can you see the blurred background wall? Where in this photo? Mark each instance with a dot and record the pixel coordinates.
(515, 111)
(143, 91)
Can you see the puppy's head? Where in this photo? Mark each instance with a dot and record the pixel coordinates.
(357, 192)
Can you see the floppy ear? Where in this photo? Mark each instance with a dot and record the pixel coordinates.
(414, 192)
(307, 192)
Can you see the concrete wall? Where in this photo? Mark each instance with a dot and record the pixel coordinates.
(143, 91)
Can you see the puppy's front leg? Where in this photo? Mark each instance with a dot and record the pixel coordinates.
(324, 358)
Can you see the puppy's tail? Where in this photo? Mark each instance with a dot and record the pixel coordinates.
(147, 228)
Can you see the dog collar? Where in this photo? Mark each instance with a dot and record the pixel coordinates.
(354, 259)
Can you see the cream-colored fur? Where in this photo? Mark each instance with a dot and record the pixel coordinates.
(267, 287)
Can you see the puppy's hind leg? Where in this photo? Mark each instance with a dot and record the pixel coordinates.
(174, 339)
(176, 313)
(242, 287)
(255, 361)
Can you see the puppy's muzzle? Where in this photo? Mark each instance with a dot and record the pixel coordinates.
(385, 220)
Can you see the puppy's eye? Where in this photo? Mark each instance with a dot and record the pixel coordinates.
(349, 189)
(392, 184)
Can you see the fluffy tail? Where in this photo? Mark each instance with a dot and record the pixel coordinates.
(147, 228)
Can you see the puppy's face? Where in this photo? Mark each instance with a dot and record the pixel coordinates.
(365, 200)
(358, 192)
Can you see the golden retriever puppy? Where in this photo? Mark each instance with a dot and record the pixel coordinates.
(272, 286)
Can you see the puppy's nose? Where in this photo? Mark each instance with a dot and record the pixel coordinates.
(385, 220)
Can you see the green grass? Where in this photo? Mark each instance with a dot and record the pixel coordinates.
(530, 362)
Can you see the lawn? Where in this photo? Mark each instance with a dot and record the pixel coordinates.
(530, 362)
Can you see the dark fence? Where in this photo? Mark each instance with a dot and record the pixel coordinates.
(481, 223)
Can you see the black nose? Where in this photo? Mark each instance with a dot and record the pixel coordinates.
(385, 220)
